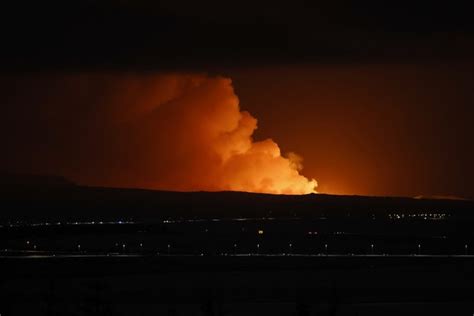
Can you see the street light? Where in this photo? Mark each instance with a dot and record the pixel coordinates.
(258, 248)
(419, 248)
(291, 247)
(372, 248)
(326, 248)
(169, 248)
(465, 249)
(79, 247)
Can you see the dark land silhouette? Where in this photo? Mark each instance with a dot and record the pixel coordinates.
(70, 249)
(30, 198)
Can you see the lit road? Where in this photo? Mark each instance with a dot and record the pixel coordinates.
(136, 255)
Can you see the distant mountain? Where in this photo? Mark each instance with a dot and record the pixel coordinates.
(18, 181)
(33, 198)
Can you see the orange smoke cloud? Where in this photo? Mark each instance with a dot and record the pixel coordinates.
(171, 132)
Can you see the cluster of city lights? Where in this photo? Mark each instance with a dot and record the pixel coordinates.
(424, 216)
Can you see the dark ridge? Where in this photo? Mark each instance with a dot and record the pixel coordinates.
(34, 198)
(23, 181)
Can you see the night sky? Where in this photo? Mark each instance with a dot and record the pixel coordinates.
(376, 98)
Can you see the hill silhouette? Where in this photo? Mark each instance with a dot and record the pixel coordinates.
(32, 198)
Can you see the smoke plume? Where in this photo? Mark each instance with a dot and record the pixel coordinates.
(171, 132)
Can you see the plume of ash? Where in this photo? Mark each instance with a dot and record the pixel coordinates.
(172, 132)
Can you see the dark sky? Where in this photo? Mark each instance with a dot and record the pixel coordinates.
(153, 35)
(376, 97)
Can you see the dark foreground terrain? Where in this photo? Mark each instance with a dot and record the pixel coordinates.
(72, 250)
(257, 285)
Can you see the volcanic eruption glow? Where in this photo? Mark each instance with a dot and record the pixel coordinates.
(171, 132)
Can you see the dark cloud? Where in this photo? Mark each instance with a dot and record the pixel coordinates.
(209, 34)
